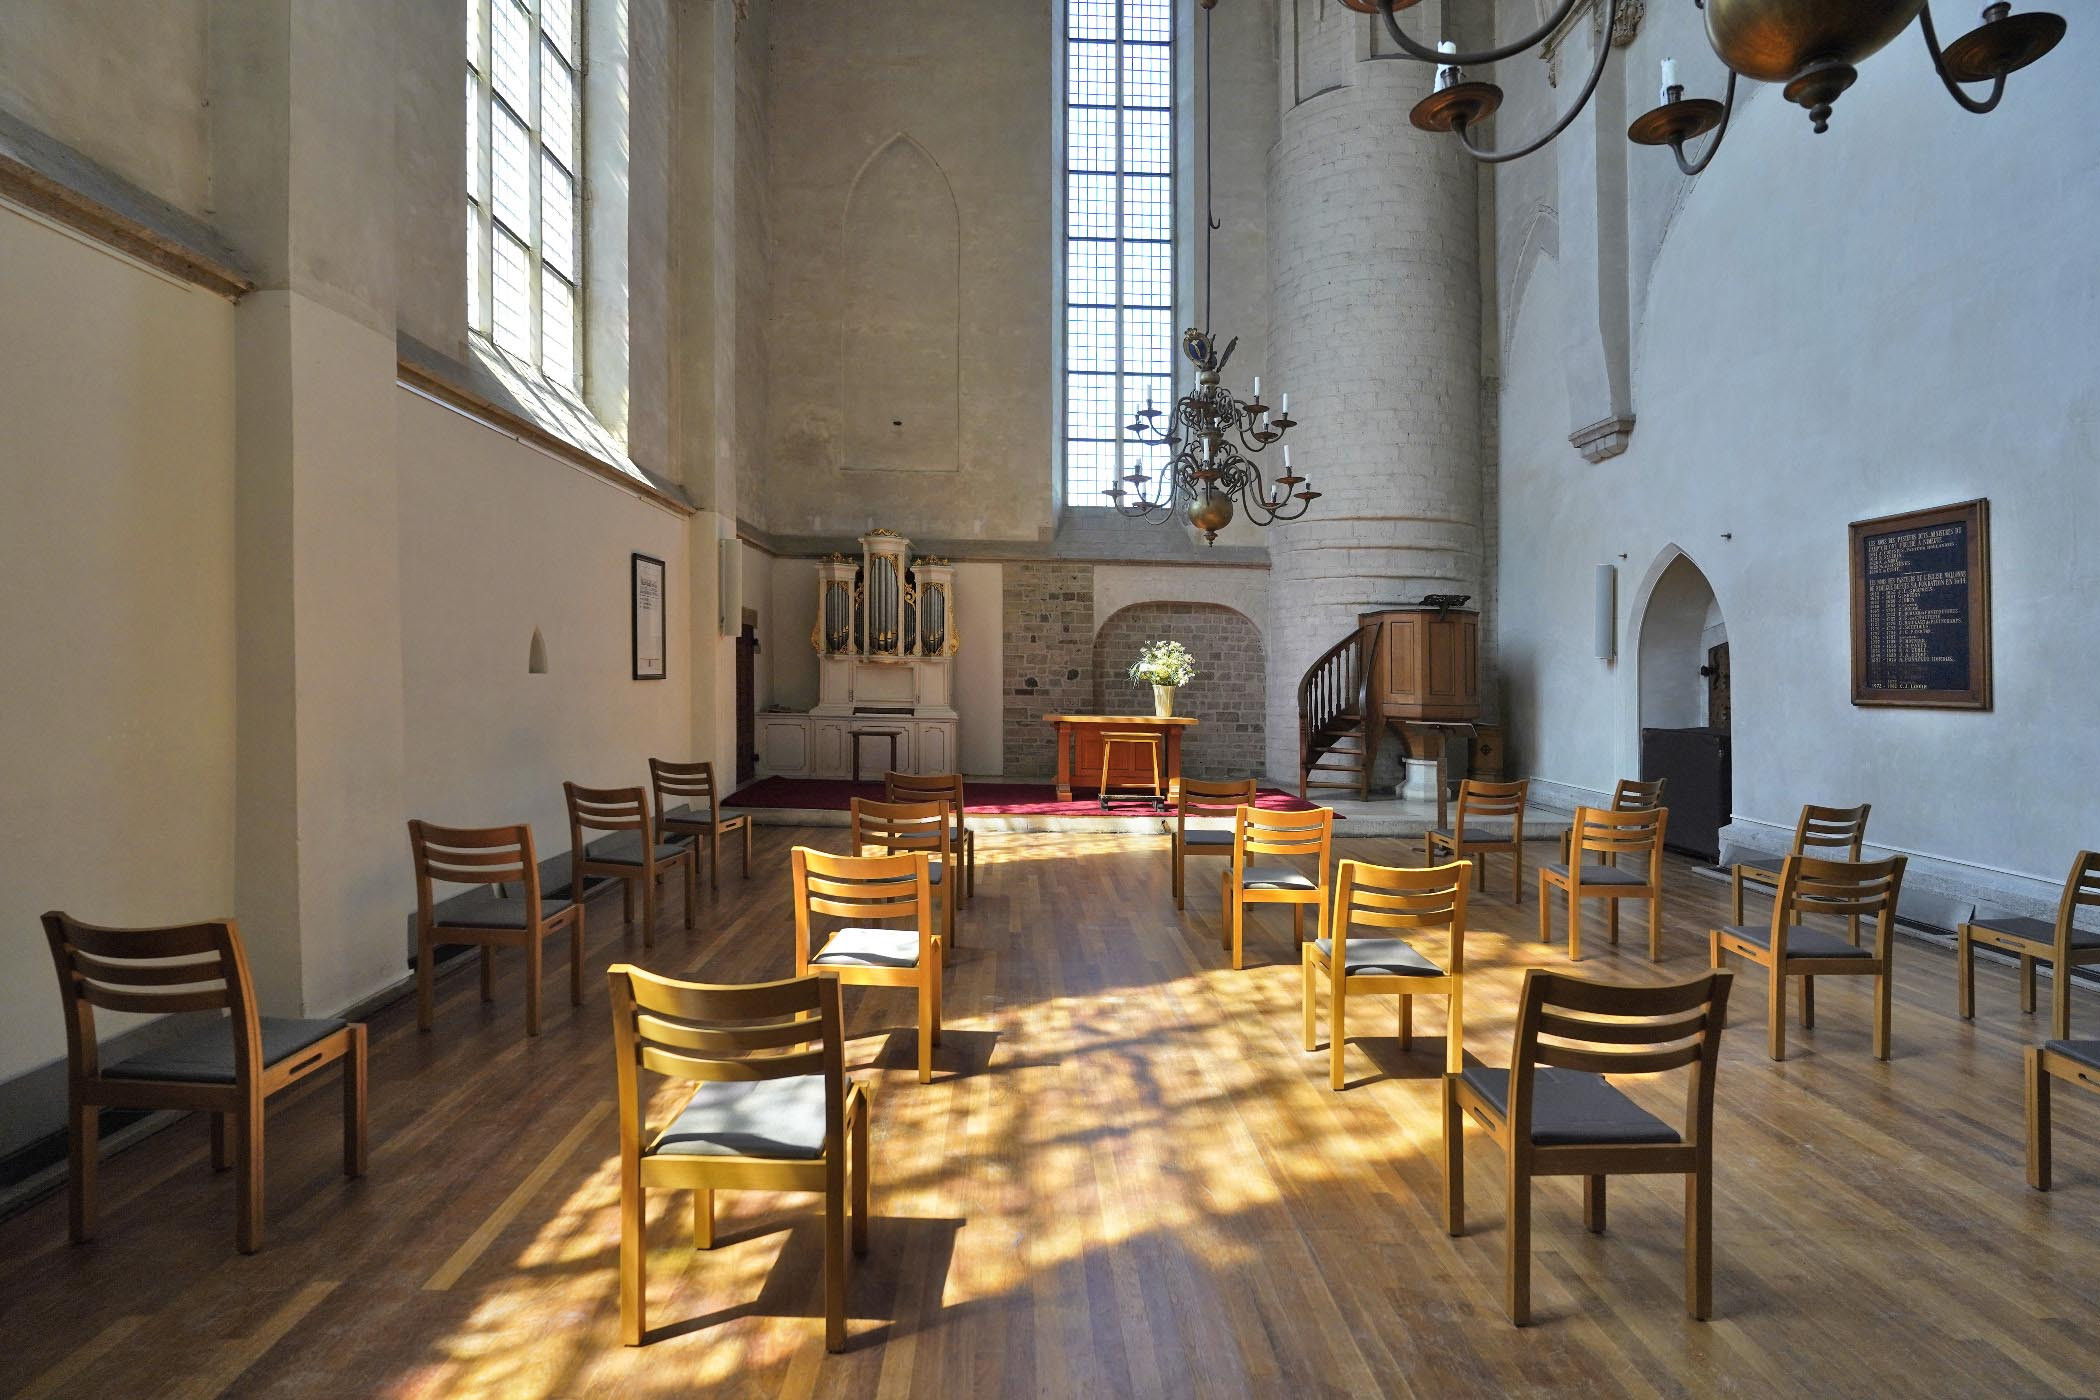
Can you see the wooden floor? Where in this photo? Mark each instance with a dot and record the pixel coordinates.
(1127, 1178)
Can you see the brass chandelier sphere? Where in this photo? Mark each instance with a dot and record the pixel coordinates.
(1772, 40)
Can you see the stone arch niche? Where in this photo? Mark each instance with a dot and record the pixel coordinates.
(1226, 698)
(1680, 623)
(900, 305)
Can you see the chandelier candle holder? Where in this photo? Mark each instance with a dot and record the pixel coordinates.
(1813, 47)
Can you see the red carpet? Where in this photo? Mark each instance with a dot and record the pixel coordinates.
(993, 799)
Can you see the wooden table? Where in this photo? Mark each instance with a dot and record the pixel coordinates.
(1079, 750)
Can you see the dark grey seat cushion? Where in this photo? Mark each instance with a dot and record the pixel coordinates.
(1383, 957)
(205, 1055)
(1766, 865)
(1570, 1107)
(933, 874)
(762, 1118)
(1489, 832)
(704, 816)
(486, 908)
(1275, 877)
(2037, 930)
(625, 848)
(1602, 874)
(1206, 836)
(2086, 1052)
(1801, 941)
(870, 947)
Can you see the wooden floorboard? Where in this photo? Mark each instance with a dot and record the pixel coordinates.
(1126, 1179)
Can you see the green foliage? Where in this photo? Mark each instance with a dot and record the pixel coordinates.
(1163, 663)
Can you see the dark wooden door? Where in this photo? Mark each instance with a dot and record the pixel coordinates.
(1717, 698)
(747, 704)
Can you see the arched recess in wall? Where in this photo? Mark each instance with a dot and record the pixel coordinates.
(1227, 697)
(900, 306)
(1683, 637)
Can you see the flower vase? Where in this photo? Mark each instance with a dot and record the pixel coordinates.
(1163, 701)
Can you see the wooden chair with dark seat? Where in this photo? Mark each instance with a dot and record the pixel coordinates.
(771, 1110)
(698, 812)
(1830, 833)
(2061, 943)
(1283, 836)
(1787, 948)
(1627, 795)
(227, 1066)
(892, 827)
(1607, 836)
(1490, 819)
(2074, 1062)
(1554, 1113)
(866, 892)
(488, 915)
(941, 787)
(1431, 902)
(631, 851)
(1201, 800)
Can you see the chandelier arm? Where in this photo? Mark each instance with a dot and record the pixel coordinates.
(1939, 65)
(1582, 100)
(1720, 134)
(1429, 55)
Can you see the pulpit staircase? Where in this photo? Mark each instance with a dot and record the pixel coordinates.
(1334, 735)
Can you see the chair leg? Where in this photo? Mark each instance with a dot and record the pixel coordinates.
(1775, 1014)
(1699, 1243)
(1593, 1204)
(1305, 979)
(1735, 896)
(1455, 1029)
(576, 960)
(634, 1250)
(940, 993)
(692, 884)
(627, 904)
(1884, 1008)
(1180, 873)
(1337, 1027)
(2026, 985)
(1225, 909)
(488, 973)
(704, 1217)
(1239, 933)
(1545, 911)
(835, 1263)
(248, 1178)
(221, 1153)
(714, 858)
(1516, 1282)
(1574, 924)
(356, 1077)
(1407, 1023)
(648, 908)
(83, 1154)
(858, 1130)
(1964, 974)
(1655, 929)
(1808, 1003)
(2060, 1001)
(534, 953)
(2037, 1120)
(1298, 922)
(926, 1022)
(1454, 1162)
(1516, 874)
(747, 848)
(426, 974)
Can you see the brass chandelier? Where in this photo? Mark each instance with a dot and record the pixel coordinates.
(1212, 439)
(1812, 46)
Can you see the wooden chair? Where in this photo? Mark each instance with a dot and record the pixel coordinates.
(1628, 795)
(2062, 944)
(867, 890)
(698, 813)
(1555, 1114)
(771, 1110)
(1788, 949)
(227, 1067)
(488, 915)
(1201, 799)
(1482, 801)
(1609, 835)
(1389, 897)
(2074, 1062)
(1834, 833)
(1290, 834)
(911, 826)
(941, 787)
(633, 853)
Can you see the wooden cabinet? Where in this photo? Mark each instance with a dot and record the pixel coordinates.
(1428, 664)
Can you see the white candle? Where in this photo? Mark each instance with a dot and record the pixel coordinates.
(1286, 459)
(1669, 78)
(1447, 74)
(1285, 407)
(1257, 388)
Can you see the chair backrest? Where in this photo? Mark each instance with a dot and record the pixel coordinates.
(189, 967)
(461, 855)
(1256, 832)
(946, 788)
(900, 826)
(695, 1031)
(1831, 829)
(692, 784)
(1200, 798)
(2082, 888)
(862, 890)
(1849, 887)
(608, 809)
(1477, 799)
(1568, 1022)
(1402, 897)
(1616, 834)
(1638, 794)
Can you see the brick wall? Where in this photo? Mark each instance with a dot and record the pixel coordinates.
(1048, 615)
(1226, 698)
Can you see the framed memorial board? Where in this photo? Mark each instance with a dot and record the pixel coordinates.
(1921, 608)
(648, 587)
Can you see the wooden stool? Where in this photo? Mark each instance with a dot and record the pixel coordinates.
(893, 735)
(1152, 744)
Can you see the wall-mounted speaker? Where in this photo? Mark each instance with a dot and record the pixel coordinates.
(1607, 616)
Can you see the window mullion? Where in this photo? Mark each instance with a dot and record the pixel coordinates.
(1121, 293)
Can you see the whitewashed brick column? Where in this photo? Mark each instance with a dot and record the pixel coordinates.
(1374, 330)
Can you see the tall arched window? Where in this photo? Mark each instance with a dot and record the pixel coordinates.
(1118, 179)
(524, 181)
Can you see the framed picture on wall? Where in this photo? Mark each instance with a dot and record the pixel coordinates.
(648, 581)
(1921, 608)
